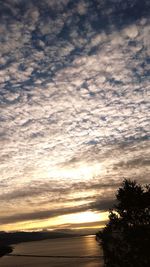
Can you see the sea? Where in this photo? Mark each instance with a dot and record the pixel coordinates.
(81, 251)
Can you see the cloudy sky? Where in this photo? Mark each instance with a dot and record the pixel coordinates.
(74, 101)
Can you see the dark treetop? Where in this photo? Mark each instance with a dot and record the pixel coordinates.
(126, 237)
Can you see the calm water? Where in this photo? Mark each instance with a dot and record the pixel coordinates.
(81, 252)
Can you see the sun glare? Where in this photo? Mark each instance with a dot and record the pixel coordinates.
(59, 221)
(87, 216)
(80, 171)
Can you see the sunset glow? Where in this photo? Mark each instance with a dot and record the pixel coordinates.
(61, 221)
(78, 172)
(74, 101)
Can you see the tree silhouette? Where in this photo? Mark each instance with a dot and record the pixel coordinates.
(126, 237)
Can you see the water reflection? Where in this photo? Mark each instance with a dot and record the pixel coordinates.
(78, 251)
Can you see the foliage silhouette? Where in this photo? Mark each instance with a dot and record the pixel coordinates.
(126, 237)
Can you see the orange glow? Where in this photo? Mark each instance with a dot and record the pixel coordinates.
(56, 222)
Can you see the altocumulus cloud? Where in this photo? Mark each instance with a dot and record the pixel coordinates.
(74, 99)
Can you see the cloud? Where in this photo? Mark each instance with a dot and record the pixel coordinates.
(74, 97)
(39, 215)
(46, 214)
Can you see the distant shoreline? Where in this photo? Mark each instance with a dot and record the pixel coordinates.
(56, 256)
(10, 239)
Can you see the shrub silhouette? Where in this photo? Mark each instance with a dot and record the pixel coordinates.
(126, 237)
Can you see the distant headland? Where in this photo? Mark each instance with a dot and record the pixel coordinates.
(5, 250)
(8, 239)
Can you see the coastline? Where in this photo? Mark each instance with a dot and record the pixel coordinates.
(4, 250)
(77, 251)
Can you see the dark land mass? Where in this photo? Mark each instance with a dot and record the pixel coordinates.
(19, 237)
(5, 250)
(8, 239)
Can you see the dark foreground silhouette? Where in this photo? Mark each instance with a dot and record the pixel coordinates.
(126, 237)
(5, 250)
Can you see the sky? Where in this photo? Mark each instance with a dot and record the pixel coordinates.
(74, 102)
